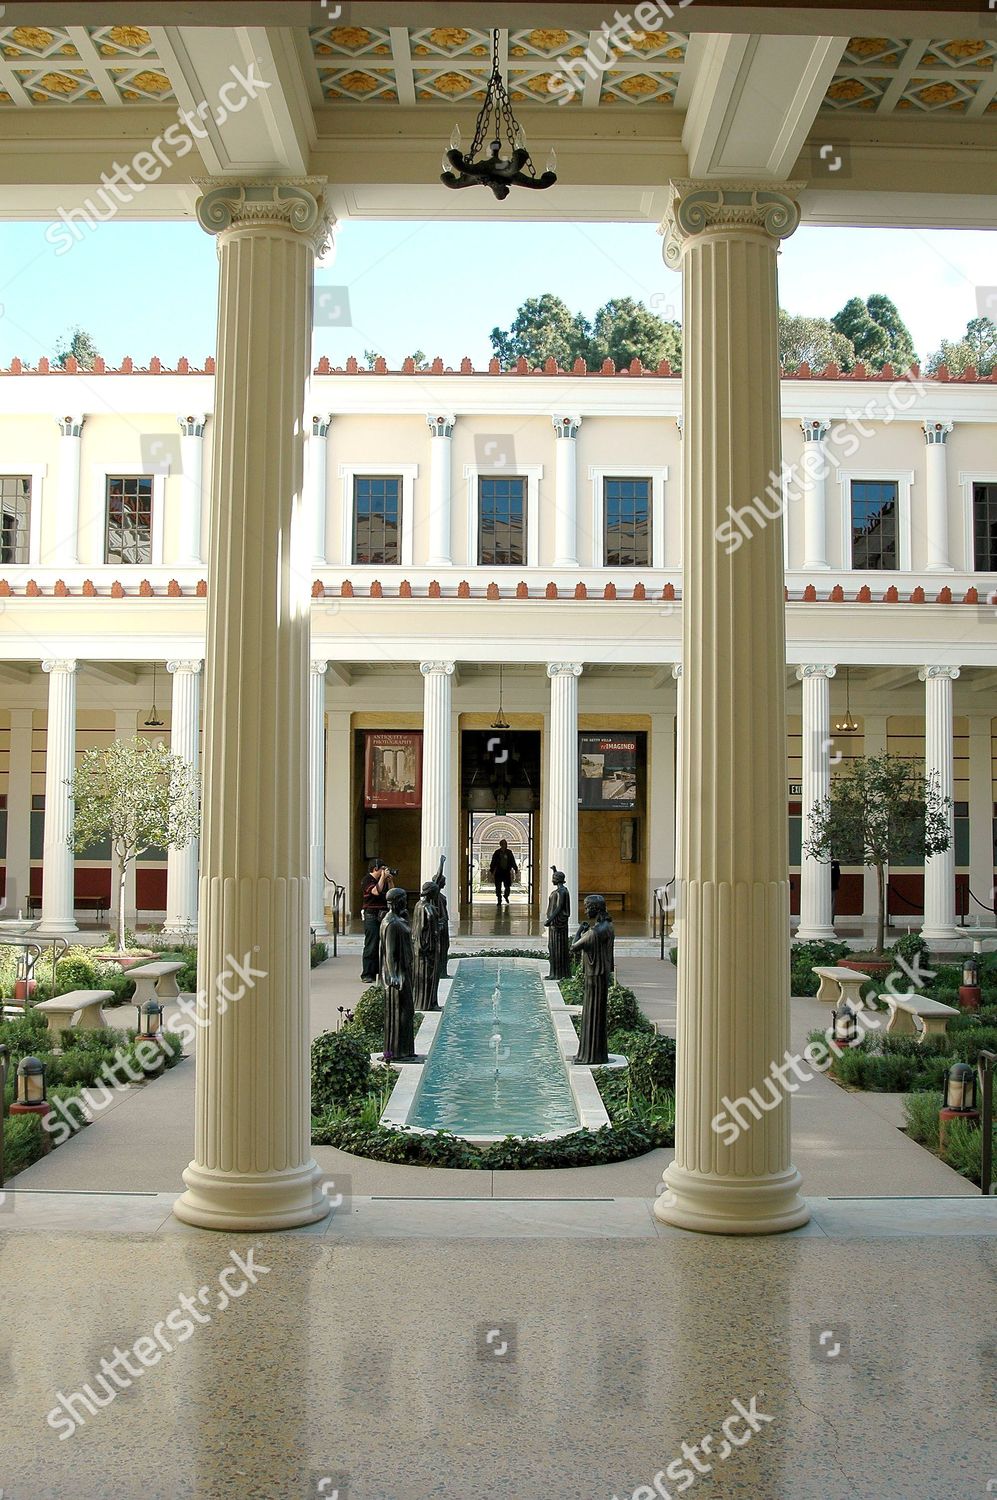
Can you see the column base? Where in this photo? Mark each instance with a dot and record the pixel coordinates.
(322, 930)
(946, 939)
(55, 928)
(248, 1202)
(732, 1205)
(180, 932)
(815, 566)
(815, 935)
(565, 562)
(438, 562)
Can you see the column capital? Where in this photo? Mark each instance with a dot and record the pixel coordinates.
(680, 424)
(59, 664)
(699, 206)
(935, 432)
(927, 673)
(437, 668)
(676, 670)
(71, 426)
(193, 426)
(566, 427)
(318, 667)
(441, 425)
(192, 665)
(815, 669)
(815, 429)
(296, 204)
(321, 422)
(564, 669)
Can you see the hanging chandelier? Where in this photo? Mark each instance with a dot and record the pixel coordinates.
(153, 721)
(847, 725)
(500, 173)
(500, 721)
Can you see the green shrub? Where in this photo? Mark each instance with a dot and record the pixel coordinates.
(439, 1149)
(964, 1149)
(368, 1013)
(507, 953)
(967, 1045)
(803, 957)
(921, 1117)
(652, 1064)
(623, 1011)
(318, 954)
(573, 988)
(673, 954)
(340, 1069)
(912, 948)
(23, 1142)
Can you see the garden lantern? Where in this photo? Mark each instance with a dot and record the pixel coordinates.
(959, 1100)
(152, 1013)
(969, 991)
(846, 1026)
(960, 1089)
(30, 1087)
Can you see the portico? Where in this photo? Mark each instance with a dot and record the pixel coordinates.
(727, 168)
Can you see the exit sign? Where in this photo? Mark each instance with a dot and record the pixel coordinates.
(796, 788)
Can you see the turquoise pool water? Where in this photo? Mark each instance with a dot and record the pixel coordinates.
(460, 1089)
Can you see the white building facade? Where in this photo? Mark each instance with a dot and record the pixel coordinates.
(472, 538)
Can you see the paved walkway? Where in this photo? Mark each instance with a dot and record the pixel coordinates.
(844, 1143)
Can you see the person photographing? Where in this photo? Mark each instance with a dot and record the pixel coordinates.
(373, 904)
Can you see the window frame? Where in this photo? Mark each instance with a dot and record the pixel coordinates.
(386, 478)
(408, 474)
(658, 474)
(35, 473)
(532, 473)
(98, 515)
(968, 481)
(904, 481)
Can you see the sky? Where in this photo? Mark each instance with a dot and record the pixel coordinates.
(150, 289)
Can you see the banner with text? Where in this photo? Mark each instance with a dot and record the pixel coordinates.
(393, 768)
(607, 772)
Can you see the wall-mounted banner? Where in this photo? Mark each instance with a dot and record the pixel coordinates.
(607, 771)
(393, 768)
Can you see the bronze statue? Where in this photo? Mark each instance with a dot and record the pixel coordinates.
(440, 880)
(425, 947)
(594, 941)
(395, 951)
(556, 923)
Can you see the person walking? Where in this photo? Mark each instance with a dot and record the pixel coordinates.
(373, 904)
(503, 870)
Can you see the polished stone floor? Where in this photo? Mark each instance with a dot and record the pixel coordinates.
(405, 1366)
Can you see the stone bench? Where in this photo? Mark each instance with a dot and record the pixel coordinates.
(837, 984)
(906, 1009)
(61, 1009)
(156, 981)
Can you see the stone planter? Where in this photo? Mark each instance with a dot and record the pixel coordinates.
(876, 968)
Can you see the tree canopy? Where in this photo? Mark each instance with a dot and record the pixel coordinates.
(79, 345)
(977, 348)
(622, 330)
(877, 332)
(812, 341)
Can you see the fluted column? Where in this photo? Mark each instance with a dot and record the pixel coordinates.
(437, 679)
(191, 487)
(814, 486)
(318, 483)
(733, 979)
(562, 774)
(679, 795)
(816, 921)
(252, 1167)
(440, 488)
(936, 496)
(939, 870)
(66, 543)
(316, 796)
(566, 493)
(58, 905)
(185, 740)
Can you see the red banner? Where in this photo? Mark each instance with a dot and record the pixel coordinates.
(393, 768)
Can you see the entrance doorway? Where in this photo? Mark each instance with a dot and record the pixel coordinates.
(486, 831)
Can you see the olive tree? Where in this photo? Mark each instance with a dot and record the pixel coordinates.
(881, 809)
(137, 795)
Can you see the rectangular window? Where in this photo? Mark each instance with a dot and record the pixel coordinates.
(627, 523)
(502, 521)
(15, 514)
(129, 519)
(985, 528)
(377, 518)
(874, 523)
